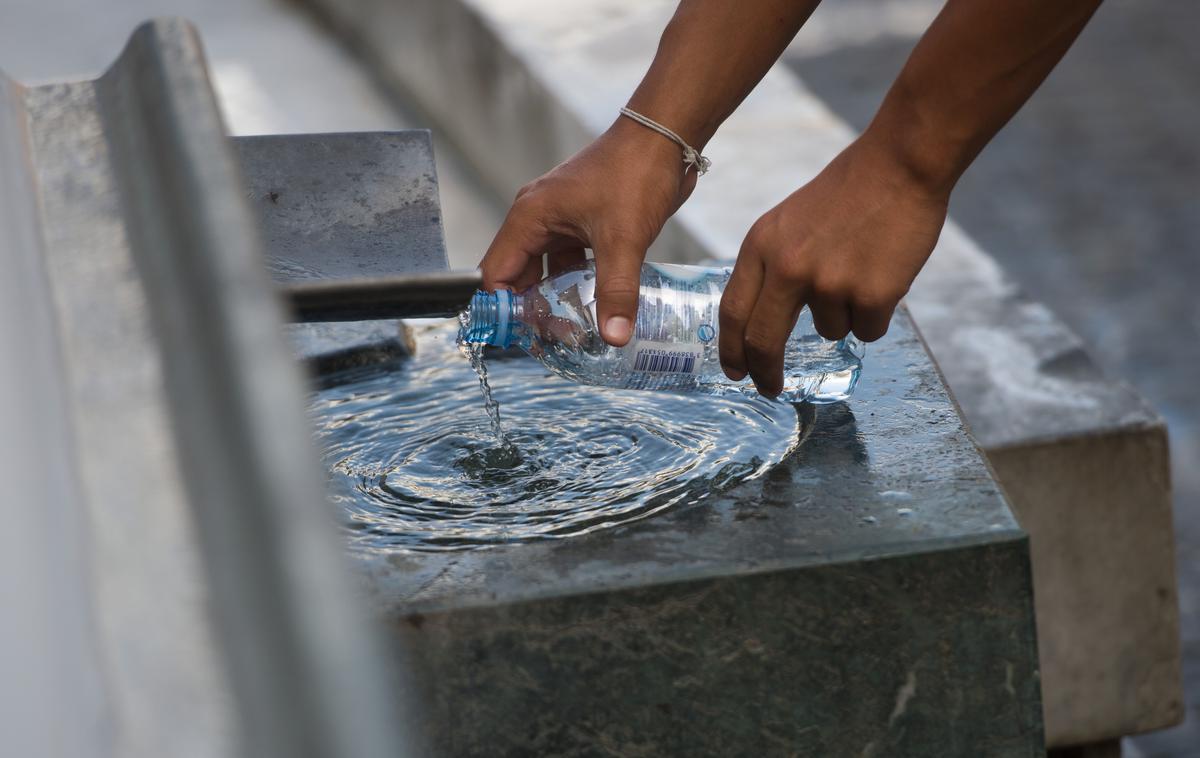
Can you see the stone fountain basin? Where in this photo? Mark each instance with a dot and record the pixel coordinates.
(870, 595)
(867, 587)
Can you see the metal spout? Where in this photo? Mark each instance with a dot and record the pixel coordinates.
(429, 295)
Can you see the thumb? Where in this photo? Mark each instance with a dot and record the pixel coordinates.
(618, 281)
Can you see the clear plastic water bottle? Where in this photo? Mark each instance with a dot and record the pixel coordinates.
(674, 343)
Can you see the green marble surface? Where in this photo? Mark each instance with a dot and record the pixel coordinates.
(924, 655)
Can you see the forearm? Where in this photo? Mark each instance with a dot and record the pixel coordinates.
(711, 56)
(975, 67)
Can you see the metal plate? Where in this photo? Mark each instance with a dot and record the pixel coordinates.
(351, 205)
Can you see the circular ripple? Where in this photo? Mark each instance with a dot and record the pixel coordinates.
(414, 462)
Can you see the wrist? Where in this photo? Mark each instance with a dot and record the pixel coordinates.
(917, 145)
(647, 146)
(695, 130)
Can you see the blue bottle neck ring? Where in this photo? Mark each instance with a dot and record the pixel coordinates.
(490, 319)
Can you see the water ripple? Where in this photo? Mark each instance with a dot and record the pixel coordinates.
(415, 464)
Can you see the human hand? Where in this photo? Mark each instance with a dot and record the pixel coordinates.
(848, 245)
(614, 197)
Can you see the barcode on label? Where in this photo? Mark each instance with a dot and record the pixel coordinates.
(665, 362)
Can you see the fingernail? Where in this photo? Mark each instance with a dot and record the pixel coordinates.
(733, 373)
(618, 329)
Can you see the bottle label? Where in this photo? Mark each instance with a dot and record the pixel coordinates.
(666, 357)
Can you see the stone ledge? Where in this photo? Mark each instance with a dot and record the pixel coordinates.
(873, 581)
(861, 659)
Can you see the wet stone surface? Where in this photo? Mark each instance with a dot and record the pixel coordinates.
(870, 581)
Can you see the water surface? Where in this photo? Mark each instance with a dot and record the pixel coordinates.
(415, 462)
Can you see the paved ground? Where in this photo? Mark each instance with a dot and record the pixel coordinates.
(1090, 198)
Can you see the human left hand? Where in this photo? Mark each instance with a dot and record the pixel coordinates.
(848, 245)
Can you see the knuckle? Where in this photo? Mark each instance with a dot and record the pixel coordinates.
(835, 289)
(791, 272)
(871, 302)
(528, 191)
(761, 235)
(525, 207)
(878, 299)
(733, 312)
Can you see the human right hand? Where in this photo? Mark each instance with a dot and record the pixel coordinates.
(614, 197)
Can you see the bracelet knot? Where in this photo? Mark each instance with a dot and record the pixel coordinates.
(691, 156)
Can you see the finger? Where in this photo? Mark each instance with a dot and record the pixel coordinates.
(529, 276)
(618, 280)
(737, 303)
(515, 252)
(870, 322)
(564, 260)
(831, 315)
(767, 334)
